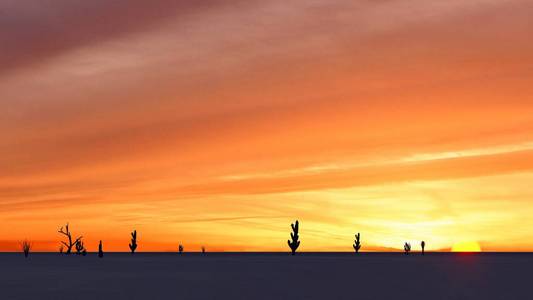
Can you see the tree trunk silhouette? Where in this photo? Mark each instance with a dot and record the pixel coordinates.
(69, 244)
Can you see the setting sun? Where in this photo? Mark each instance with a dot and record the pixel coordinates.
(468, 246)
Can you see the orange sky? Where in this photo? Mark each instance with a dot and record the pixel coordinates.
(220, 123)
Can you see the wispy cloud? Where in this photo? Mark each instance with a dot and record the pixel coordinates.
(172, 116)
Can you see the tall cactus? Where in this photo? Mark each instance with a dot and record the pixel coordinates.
(100, 250)
(133, 244)
(295, 243)
(357, 242)
(407, 248)
(423, 244)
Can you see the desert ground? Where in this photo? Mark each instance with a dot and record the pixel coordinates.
(267, 276)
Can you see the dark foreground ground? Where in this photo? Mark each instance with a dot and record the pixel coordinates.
(267, 276)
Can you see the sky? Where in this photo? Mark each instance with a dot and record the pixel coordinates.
(219, 123)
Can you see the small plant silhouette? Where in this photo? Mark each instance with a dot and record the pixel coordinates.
(100, 250)
(295, 243)
(180, 248)
(61, 249)
(423, 245)
(133, 244)
(407, 248)
(357, 243)
(69, 244)
(26, 247)
(203, 250)
(80, 248)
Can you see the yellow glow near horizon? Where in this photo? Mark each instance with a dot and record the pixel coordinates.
(466, 246)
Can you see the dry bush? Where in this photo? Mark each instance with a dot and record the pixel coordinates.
(26, 247)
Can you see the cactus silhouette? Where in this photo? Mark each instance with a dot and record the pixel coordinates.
(133, 244)
(69, 244)
(407, 248)
(295, 243)
(26, 247)
(100, 250)
(357, 243)
(423, 244)
(180, 248)
(80, 248)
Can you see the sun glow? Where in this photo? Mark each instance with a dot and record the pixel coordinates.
(466, 246)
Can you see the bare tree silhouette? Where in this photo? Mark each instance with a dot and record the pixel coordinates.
(69, 244)
(423, 244)
(180, 248)
(295, 243)
(357, 242)
(80, 248)
(133, 244)
(100, 250)
(26, 247)
(407, 248)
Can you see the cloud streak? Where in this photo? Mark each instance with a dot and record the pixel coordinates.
(35, 32)
(172, 116)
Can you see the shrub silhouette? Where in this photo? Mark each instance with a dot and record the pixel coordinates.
(357, 243)
(407, 248)
(180, 248)
(423, 244)
(203, 249)
(26, 247)
(133, 244)
(69, 243)
(100, 250)
(61, 249)
(295, 243)
(80, 248)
